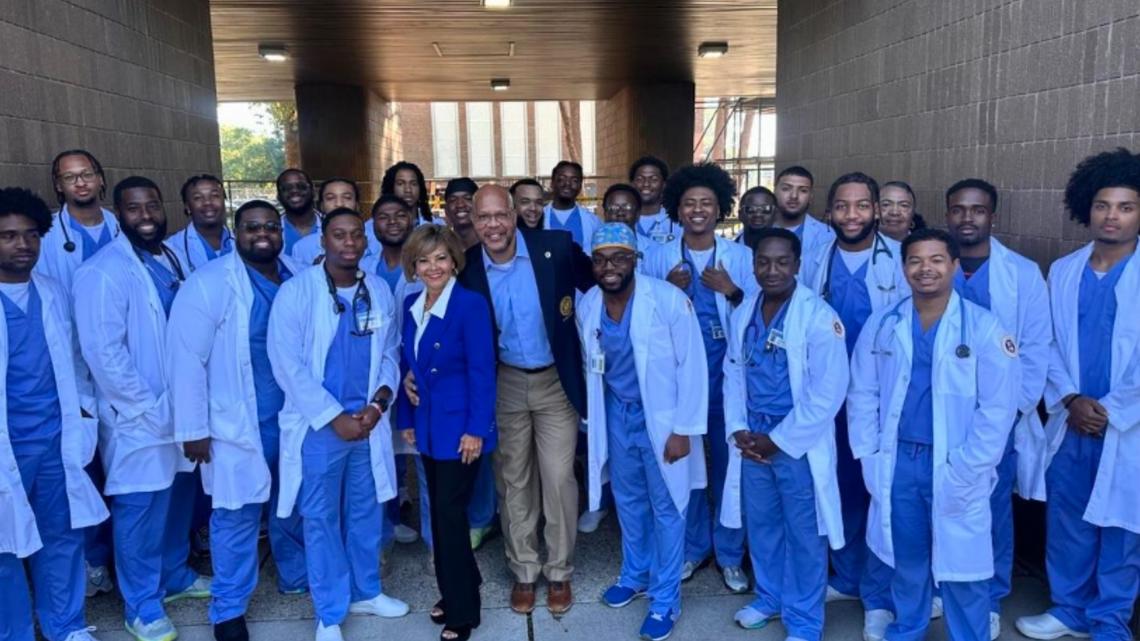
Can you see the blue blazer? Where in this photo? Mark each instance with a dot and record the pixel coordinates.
(455, 375)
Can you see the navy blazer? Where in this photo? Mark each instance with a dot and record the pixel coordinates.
(455, 376)
(560, 270)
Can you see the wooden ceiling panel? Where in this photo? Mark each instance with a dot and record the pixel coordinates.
(563, 49)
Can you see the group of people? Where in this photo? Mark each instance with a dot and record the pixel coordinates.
(867, 390)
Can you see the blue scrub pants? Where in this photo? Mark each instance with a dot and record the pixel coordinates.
(857, 570)
(98, 537)
(341, 521)
(967, 603)
(1001, 509)
(789, 556)
(58, 575)
(1094, 572)
(233, 547)
(652, 530)
(184, 492)
(138, 522)
(704, 533)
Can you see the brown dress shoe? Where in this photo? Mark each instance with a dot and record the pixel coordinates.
(559, 598)
(522, 598)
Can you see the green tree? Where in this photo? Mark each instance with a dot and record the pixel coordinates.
(247, 155)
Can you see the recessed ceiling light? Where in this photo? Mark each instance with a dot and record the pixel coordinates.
(497, 4)
(273, 53)
(712, 49)
(500, 84)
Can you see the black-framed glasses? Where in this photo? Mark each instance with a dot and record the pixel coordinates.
(71, 179)
(614, 210)
(254, 227)
(620, 259)
(752, 210)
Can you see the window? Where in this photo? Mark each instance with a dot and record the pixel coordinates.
(548, 136)
(445, 138)
(586, 121)
(512, 127)
(480, 140)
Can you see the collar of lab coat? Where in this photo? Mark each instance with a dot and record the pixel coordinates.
(886, 284)
(949, 329)
(134, 267)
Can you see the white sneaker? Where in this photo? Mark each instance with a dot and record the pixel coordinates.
(157, 630)
(405, 534)
(750, 618)
(689, 568)
(1046, 626)
(875, 624)
(995, 626)
(98, 581)
(199, 589)
(331, 633)
(83, 634)
(380, 605)
(936, 608)
(735, 579)
(834, 596)
(589, 521)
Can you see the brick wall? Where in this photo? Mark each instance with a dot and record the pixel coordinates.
(929, 91)
(133, 82)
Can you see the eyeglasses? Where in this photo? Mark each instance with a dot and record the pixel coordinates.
(752, 210)
(71, 179)
(619, 209)
(253, 228)
(619, 260)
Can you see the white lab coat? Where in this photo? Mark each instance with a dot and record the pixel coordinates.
(1020, 300)
(18, 533)
(59, 263)
(187, 246)
(1115, 500)
(816, 233)
(819, 373)
(308, 249)
(672, 375)
(736, 259)
(590, 222)
(302, 326)
(122, 331)
(211, 380)
(975, 401)
(886, 284)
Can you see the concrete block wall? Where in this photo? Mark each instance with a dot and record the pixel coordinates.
(133, 82)
(931, 91)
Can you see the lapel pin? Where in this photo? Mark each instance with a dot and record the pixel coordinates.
(547, 254)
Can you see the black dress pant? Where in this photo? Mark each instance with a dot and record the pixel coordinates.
(450, 485)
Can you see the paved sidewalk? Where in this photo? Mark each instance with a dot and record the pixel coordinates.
(708, 607)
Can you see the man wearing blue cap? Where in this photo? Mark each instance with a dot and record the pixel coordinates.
(642, 346)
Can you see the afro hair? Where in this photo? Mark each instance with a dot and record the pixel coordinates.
(1119, 168)
(17, 201)
(706, 174)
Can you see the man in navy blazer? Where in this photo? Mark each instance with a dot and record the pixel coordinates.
(531, 279)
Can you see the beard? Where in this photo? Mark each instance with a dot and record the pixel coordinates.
(621, 286)
(866, 231)
(138, 241)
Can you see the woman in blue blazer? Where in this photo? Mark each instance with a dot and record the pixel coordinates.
(449, 413)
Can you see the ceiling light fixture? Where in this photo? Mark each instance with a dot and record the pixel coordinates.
(497, 4)
(273, 53)
(712, 49)
(500, 84)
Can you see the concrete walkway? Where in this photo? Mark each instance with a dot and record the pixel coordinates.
(708, 607)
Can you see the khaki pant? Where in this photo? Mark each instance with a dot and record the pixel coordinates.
(538, 432)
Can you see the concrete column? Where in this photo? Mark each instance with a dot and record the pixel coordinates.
(652, 119)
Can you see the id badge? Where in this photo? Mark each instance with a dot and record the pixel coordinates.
(659, 237)
(366, 320)
(717, 331)
(776, 339)
(598, 363)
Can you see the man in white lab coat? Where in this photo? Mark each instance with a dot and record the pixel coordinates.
(122, 298)
(332, 344)
(1092, 545)
(934, 391)
(785, 377)
(47, 436)
(217, 347)
(647, 393)
(793, 208)
(205, 237)
(1011, 286)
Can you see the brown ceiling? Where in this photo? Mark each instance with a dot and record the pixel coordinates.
(564, 49)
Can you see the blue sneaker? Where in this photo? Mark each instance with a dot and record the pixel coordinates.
(619, 596)
(658, 626)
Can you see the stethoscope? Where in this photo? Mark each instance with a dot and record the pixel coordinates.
(668, 237)
(68, 245)
(752, 333)
(361, 296)
(962, 351)
(692, 267)
(227, 242)
(879, 246)
(179, 275)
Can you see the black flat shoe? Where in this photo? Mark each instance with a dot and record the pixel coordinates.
(462, 633)
(438, 619)
(231, 630)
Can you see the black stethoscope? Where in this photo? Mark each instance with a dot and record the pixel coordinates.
(360, 296)
(962, 351)
(227, 241)
(179, 275)
(68, 244)
(879, 246)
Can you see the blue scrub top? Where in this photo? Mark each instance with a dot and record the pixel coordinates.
(916, 423)
(33, 401)
(270, 397)
(976, 287)
(849, 297)
(347, 367)
(1096, 318)
(164, 279)
(573, 222)
(227, 245)
(621, 369)
(712, 333)
(290, 234)
(769, 388)
(514, 294)
(90, 244)
(390, 276)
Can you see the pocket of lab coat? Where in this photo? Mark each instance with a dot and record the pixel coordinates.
(958, 496)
